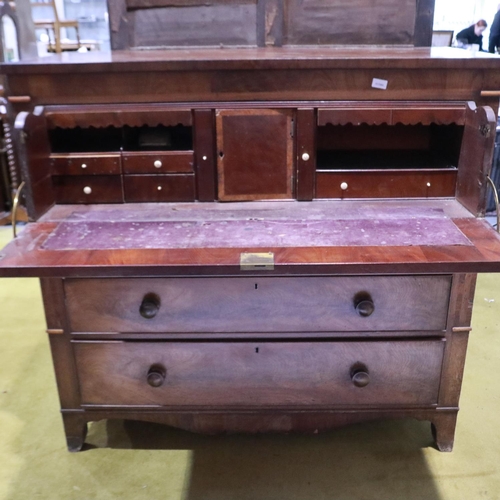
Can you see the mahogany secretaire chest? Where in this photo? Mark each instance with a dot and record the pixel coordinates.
(260, 239)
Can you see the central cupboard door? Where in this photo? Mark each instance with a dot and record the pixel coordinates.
(255, 154)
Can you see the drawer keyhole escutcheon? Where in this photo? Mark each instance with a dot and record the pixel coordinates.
(150, 306)
(156, 375)
(363, 303)
(360, 375)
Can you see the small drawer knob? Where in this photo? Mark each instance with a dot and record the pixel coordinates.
(87, 190)
(305, 157)
(360, 378)
(344, 186)
(157, 164)
(150, 306)
(364, 305)
(156, 376)
(365, 308)
(84, 165)
(204, 158)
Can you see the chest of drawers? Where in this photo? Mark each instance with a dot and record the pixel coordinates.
(260, 243)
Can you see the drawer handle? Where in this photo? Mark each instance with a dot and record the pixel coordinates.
(363, 303)
(156, 376)
(150, 306)
(360, 376)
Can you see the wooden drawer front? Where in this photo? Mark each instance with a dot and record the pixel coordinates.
(258, 304)
(386, 184)
(88, 189)
(158, 163)
(155, 188)
(259, 374)
(85, 164)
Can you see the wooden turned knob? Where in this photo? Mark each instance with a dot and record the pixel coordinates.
(360, 378)
(150, 306)
(365, 308)
(156, 376)
(363, 303)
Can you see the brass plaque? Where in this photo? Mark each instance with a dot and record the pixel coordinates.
(257, 261)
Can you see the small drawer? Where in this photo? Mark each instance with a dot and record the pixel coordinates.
(410, 183)
(260, 374)
(156, 188)
(337, 304)
(158, 163)
(88, 189)
(85, 164)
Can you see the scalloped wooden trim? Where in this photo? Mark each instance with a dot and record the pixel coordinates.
(102, 118)
(393, 116)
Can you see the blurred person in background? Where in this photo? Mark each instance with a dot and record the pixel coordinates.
(495, 33)
(473, 34)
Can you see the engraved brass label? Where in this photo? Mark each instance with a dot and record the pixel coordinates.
(257, 261)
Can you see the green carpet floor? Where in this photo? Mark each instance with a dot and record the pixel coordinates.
(391, 460)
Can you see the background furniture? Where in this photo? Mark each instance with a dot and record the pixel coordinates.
(27, 36)
(264, 23)
(53, 26)
(442, 38)
(9, 33)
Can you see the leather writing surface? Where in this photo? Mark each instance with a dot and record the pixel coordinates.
(253, 233)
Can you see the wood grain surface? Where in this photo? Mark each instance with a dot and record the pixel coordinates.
(85, 164)
(259, 304)
(26, 256)
(348, 57)
(410, 183)
(260, 374)
(319, 22)
(158, 188)
(145, 162)
(73, 189)
(255, 154)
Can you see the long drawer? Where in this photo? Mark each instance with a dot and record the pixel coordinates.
(249, 374)
(305, 304)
